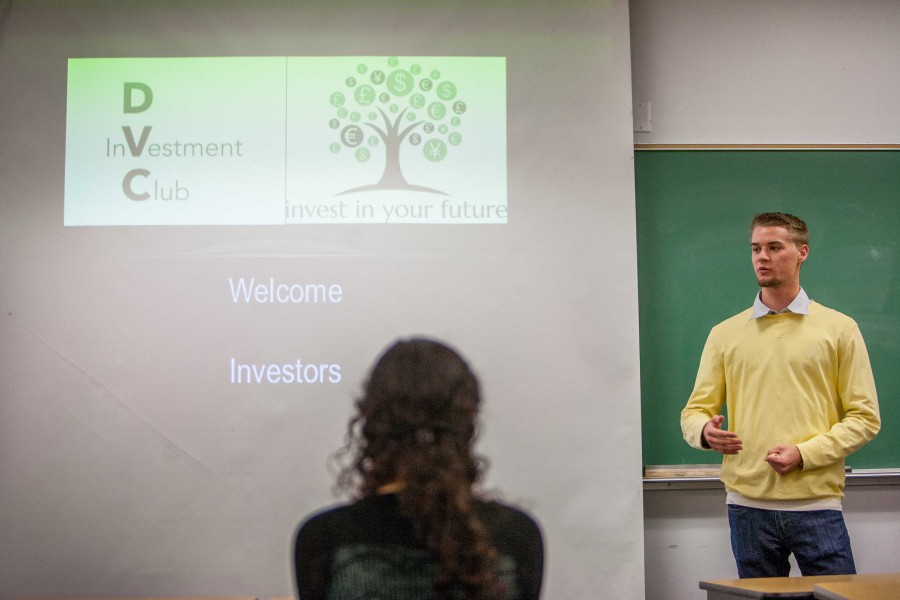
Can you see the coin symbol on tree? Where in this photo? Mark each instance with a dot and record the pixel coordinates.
(352, 136)
(435, 150)
(400, 83)
(364, 95)
(446, 90)
(436, 110)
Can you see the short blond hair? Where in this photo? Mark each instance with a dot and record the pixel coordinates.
(796, 228)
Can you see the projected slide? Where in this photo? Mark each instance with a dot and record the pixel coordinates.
(285, 140)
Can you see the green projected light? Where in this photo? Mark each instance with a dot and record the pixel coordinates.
(282, 140)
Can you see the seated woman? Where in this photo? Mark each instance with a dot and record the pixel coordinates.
(417, 530)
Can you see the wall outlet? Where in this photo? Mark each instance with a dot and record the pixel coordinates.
(640, 111)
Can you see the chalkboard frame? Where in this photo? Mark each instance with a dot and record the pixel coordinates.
(693, 209)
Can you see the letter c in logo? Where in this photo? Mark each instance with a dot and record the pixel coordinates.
(126, 184)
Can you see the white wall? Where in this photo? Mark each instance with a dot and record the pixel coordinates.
(686, 537)
(767, 71)
(753, 72)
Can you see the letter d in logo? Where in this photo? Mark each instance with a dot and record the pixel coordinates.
(130, 88)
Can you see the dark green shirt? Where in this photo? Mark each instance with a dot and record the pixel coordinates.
(367, 551)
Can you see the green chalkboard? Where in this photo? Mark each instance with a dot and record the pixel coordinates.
(693, 213)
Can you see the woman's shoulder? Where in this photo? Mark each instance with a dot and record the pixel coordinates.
(502, 510)
(368, 518)
(517, 537)
(505, 520)
(318, 523)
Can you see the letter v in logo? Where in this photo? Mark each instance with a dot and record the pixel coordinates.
(136, 149)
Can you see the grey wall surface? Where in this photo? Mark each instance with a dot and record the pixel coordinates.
(768, 71)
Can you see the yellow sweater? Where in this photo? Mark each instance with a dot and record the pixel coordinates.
(786, 379)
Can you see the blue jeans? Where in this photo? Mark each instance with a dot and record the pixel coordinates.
(762, 541)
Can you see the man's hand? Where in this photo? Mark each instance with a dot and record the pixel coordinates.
(721, 440)
(784, 459)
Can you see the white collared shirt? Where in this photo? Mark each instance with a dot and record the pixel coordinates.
(799, 305)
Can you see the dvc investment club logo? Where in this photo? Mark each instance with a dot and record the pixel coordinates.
(297, 140)
(157, 191)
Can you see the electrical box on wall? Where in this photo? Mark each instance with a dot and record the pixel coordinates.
(641, 113)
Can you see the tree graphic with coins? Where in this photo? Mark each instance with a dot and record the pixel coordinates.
(391, 106)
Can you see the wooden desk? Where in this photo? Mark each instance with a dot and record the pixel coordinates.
(861, 587)
(798, 588)
(857, 587)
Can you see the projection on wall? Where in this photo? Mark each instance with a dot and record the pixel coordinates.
(285, 140)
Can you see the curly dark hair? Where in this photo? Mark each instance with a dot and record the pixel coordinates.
(415, 426)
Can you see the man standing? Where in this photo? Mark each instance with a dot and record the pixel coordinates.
(800, 396)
